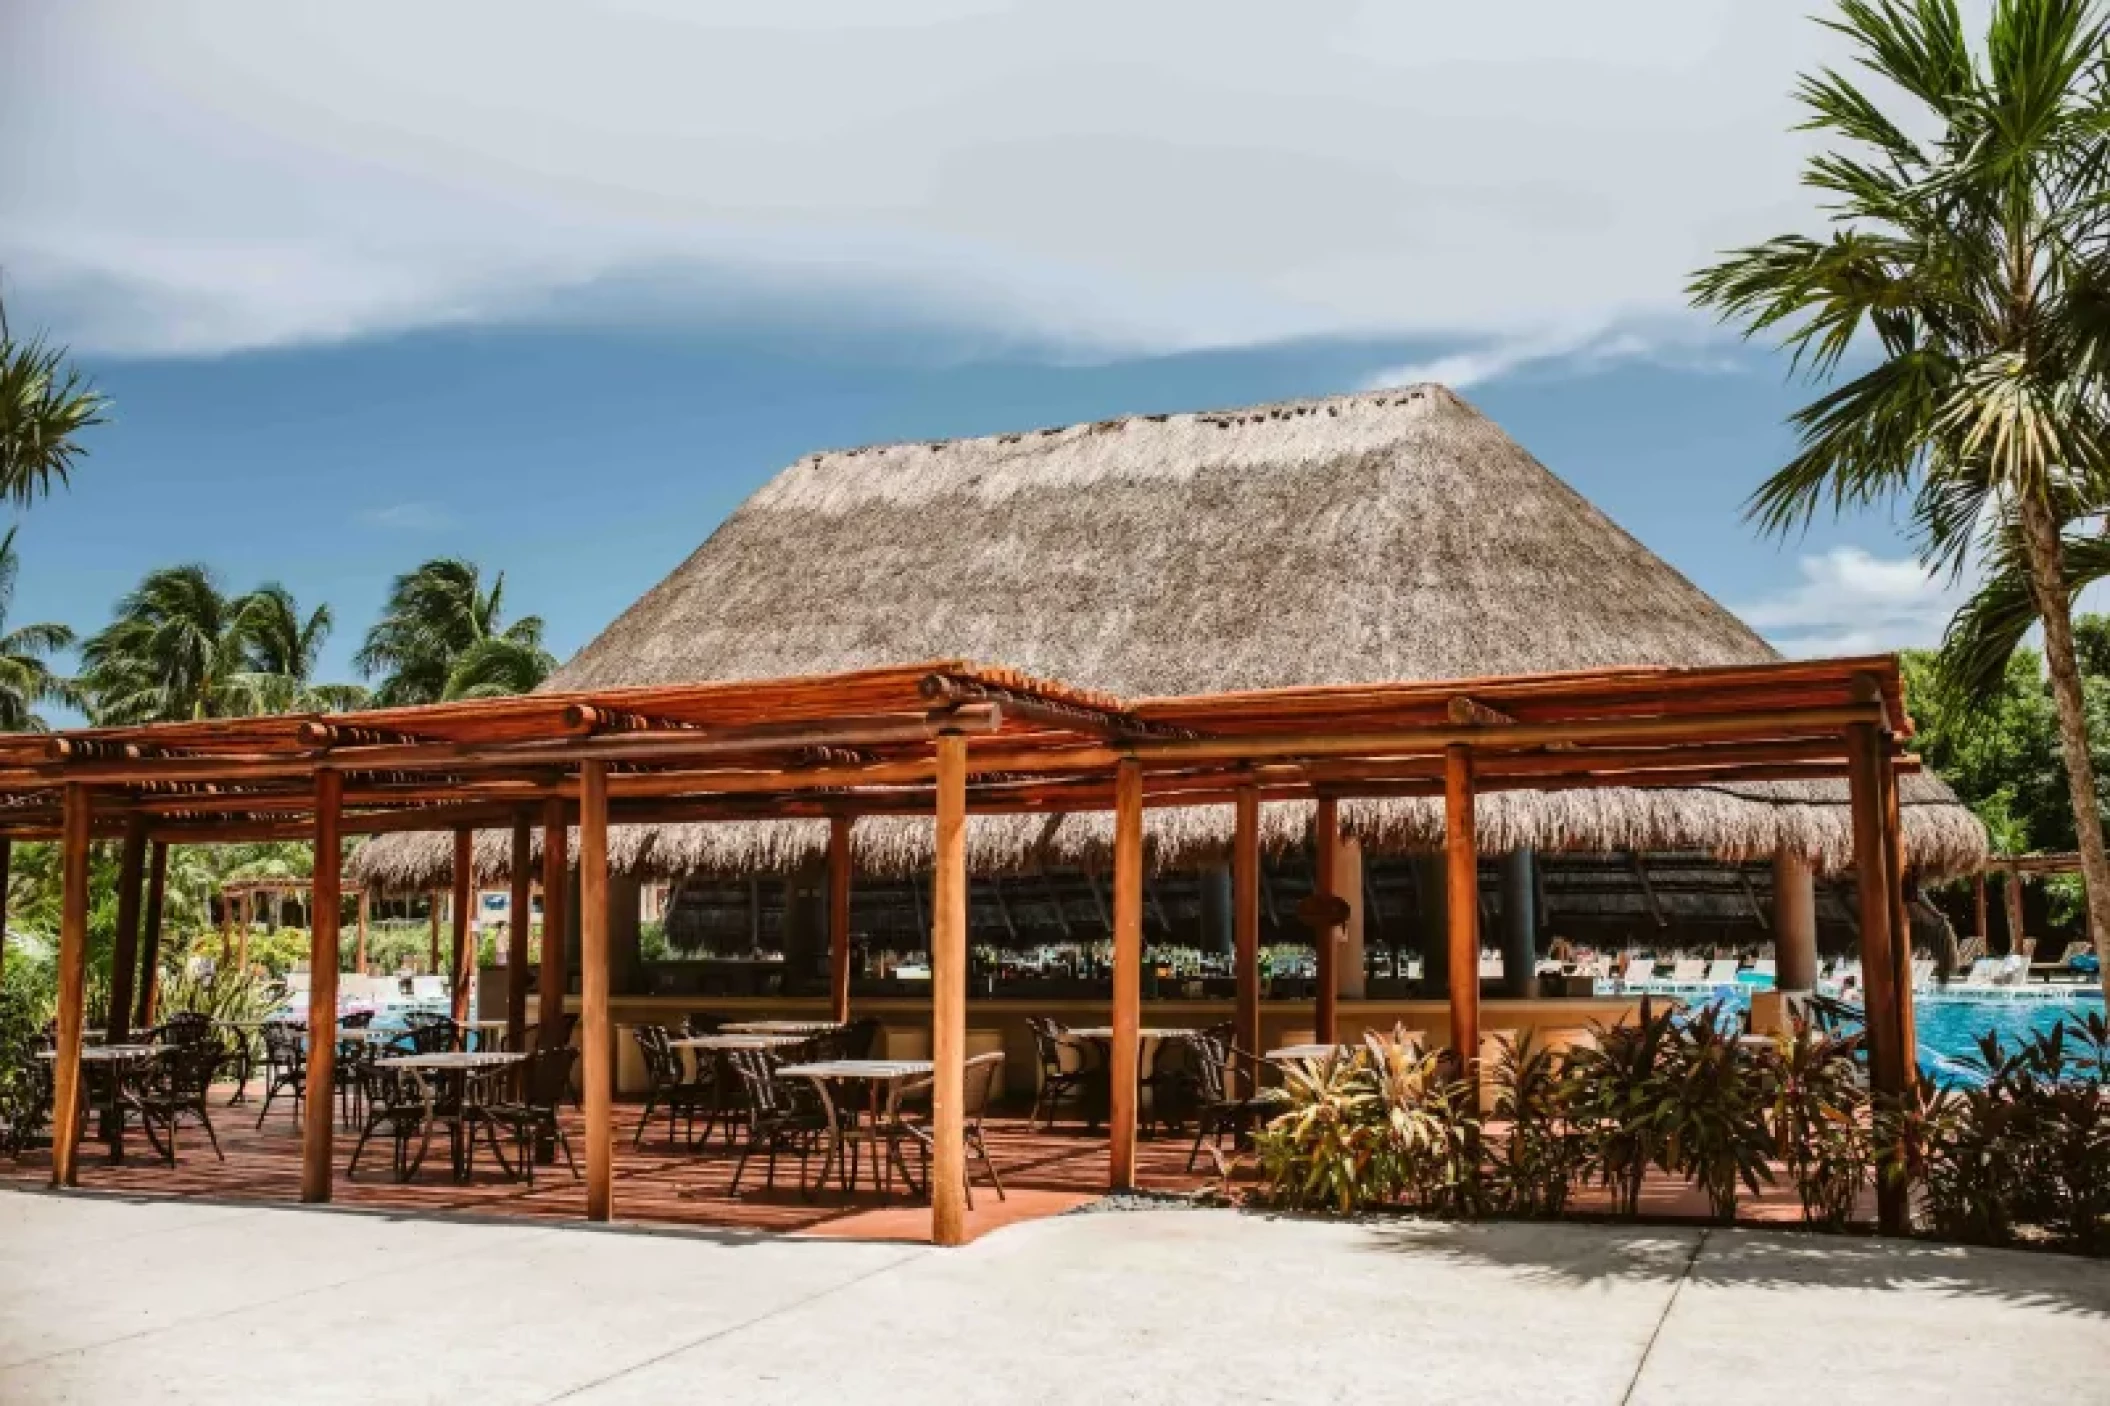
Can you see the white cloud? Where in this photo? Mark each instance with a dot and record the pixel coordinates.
(408, 517)
(197, 175)
(1849, 601)
(1683, 346)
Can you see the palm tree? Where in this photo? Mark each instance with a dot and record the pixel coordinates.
(182, 648)
(440, 636)
(26, 678)
(44, 405)
(1965, 255)
(171, 652)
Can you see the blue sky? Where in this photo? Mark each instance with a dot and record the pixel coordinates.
(556, 293)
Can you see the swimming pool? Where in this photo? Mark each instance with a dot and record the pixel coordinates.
(1951, 1026)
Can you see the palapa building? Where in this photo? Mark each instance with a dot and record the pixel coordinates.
(1394, 535)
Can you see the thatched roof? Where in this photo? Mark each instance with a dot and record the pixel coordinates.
(1388, 536)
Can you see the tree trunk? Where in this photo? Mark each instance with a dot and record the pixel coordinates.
(2040, 535)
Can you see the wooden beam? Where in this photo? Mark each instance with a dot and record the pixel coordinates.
(594, 1032)
(1245, 933)
(462, 968)
(319, 1125)
(1326, 870)
(556, 873)
(520, 918)
(150, 936)
(839, 873)
(124, 947)
(1124, 1067)
(1878, 974)
(73, 989)
(948, 1001)
(1462, 879)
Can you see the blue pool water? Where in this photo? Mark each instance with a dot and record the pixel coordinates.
(1950, 1027)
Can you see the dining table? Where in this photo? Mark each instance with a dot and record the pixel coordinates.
(1151, 1040)
(882, 1080)
(460, 1091)
(112, 1060)
(1311, 1051)
(780, 1027)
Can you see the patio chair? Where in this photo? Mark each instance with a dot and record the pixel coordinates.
(860, 1038)
(400, 1101)
(977, 1079)
(670, 1087)
(545, 1082)
(1065, 1070)
(172, 1086)
(776, 1121)
(1219, 1108)
(428, 1032)
(181, 1028)
(348, 1077)
(285, 1067)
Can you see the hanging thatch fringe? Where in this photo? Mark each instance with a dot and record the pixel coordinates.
(1942, 839)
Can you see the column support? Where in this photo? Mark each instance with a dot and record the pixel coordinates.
(1124, 1071)
(2012, 897)
(463, 963)
(7, 856)
(1462, 886)
(1520, 939)
(124, 949)
(839, 874)
(1900, 921)
(326, 894)
(519, 918)
(365, 907)
(1794, 924)
(1245, 931)
(948, 998)
(1326, 855)
(1865, 761)
(594, 1033)
(556, 871)
(73, 986)
(150, 935)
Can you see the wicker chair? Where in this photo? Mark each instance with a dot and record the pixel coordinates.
(1065, 1070)
(670, 1087)
(776, 1120)
(978, 1079)
(428, 1032)
(545, 1082)
(285, 1067)
(400, 1101)
(172, 1086)
(182, 1028)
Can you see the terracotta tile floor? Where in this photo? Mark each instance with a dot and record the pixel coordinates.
(1045, 1173)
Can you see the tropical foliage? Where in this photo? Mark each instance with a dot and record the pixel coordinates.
(443, 635)
(44, 406)
(1383, 1127)
(26, 676)
(1967, 199)
(180, 647)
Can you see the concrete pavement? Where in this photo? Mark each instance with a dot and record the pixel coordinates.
(111, 1301)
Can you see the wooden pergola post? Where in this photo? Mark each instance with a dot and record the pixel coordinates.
(1900, 919)
(599, 1078)
(1461, 856)
(73, 985)
(839, 918)
(1978, 907)
(1326, 870)
(327, 894)
(463, 966)
(124, 948)
(150, 935)
(556, 866)
(948, 998)
(365, 907)
(1124, 1071)
(7, 855)
(519, 916)
(2013, 898)
(1245, 933)
(1878, 973)
(432, 961)
(241, 960)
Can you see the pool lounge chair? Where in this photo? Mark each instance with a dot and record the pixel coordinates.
(1721, 972)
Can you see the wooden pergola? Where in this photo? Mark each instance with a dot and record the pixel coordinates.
(948, 739)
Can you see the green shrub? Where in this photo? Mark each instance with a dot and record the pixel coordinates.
(1713, 1118)
(1534, 1169)
(1332, 1147)
(1819, 1119)
(1620, 1104)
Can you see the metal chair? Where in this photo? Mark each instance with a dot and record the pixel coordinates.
(285, 1067)
(172, 1086)
(545, 1082)
(1065, 1070)
(977, 1080)
(402, 1102)
(670, 1087)
(776, 1122)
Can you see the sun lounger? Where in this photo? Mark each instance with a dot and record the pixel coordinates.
(1721, 972)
